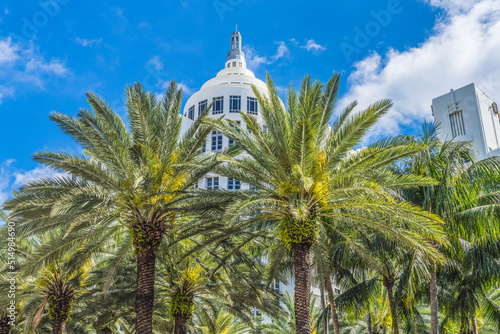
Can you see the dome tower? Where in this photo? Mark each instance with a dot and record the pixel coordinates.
(231, 89)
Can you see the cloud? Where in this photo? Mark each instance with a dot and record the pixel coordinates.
(463, 48)
(186, 90)
(39, 65)
(8, 51)
(87, 42)
(5, 91)
(12, 177)
(254, 60)
(22, 66)
(155, 63)
(312, 46)
(453, 6)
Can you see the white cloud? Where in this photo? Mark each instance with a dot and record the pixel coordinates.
(186, 90)
(464, 48)
(22, 65)
(155, 63)
(8, 51)
(12, 177)
(5, 91)
(453, 6)
(54, 66)
(254, 60)
(87, 42)
(312, 46)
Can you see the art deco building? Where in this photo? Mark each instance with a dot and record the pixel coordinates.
(232, 92)
(469, 114)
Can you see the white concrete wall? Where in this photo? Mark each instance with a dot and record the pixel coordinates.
(482, 127)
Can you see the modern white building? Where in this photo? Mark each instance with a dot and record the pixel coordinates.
(468, 114)
(232, 92)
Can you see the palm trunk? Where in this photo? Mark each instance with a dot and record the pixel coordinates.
(473, 323)
(145, 294)
(302, 264)
(180, 325)
(369, 323)
(59, 327)
(433, 296)
(389, 284)
(4, 325)
(333, 305)
(323, 308)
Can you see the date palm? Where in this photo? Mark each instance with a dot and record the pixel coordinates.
(465, 196)
(303, 168)
(127, 180)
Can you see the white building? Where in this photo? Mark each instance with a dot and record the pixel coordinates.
(468, 114)
(232, 90)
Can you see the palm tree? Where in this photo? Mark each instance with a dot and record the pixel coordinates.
(461, 197)
(304, 169)
(127, 181)
(286, 323)
(54, 289)
(214, 320)
(470, 287)
(5, 324)
(222, 275)
(398, 271)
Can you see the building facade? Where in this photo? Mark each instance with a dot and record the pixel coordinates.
(231, 93)
(468, 114)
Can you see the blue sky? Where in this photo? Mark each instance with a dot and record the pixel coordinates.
(53, 51)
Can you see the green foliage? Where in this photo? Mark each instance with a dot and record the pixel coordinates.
(182, 305)
(293, 231)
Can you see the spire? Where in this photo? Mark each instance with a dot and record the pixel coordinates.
(235, 52)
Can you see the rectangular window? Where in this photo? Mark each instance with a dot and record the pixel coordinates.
(202, 106)
(252, 187)
(218, 107)
(216, 141)
(457, 124)
(231, 141)
(233, 184)
(204, 147)
(212, 183)
(234, 104)
(252, 105)
(191, 113)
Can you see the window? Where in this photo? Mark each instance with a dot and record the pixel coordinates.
(252, 105)
(457, 124)
(212, 183)
(204, 147)
(337, 291)
(191, 113)
(202, 106)
(276, 285)
(257, 313)
(234, 64)
(252, 187)
(216, 141)
(218, 105)
(231, 140)
(233, 184)
(234, 104)
(195, 185)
